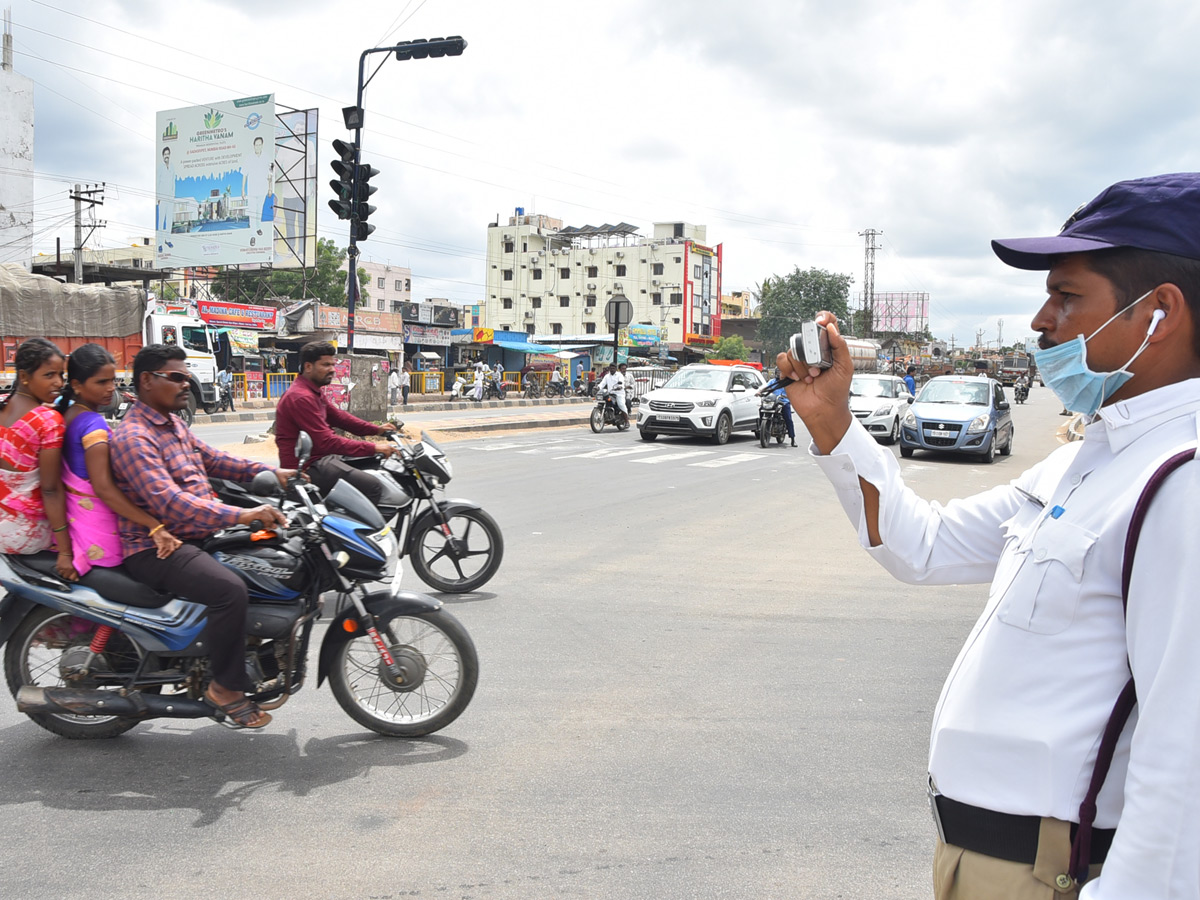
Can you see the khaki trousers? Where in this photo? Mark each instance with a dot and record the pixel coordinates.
(960, 874)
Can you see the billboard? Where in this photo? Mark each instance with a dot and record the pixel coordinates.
(215, 184)
(296, 188)
(237, 315)
(902, 312)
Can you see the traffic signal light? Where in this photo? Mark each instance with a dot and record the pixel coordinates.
(363, 190)
(343, 185)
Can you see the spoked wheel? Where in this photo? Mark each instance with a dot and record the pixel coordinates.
(439, 670)
(49, 645)
(597, 420)
(622, 422)
(462, 560)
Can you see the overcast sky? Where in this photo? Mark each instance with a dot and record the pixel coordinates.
(785, 126)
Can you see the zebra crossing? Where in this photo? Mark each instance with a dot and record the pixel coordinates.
(668, 454)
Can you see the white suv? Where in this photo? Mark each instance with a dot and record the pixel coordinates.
(880, 402)
(713, 401)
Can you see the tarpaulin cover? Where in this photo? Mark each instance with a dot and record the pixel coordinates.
(39, 306)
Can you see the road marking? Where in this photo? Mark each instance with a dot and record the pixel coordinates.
(667, 457)
(492, 447)
(732, 460)
(607, 453)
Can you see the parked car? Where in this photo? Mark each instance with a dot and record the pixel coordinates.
(704, 400)
(959, 414)
(880, 402)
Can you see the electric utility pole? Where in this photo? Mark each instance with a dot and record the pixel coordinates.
(93, 196)
(869, 278)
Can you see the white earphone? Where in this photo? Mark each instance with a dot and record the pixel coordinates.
(1157, 316)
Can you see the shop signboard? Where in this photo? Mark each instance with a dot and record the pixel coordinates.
(483, 336)
(431, 335)
(237, 315)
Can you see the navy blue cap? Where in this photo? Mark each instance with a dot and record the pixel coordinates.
(1161, 213)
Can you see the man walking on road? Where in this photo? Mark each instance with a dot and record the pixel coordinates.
(1023, 807)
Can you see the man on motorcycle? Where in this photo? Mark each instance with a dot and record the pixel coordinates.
(614, 383)
(160, 465)
(303, 406)
(781, 395)
(556, 382)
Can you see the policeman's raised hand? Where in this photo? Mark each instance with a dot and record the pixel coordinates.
(821, 397)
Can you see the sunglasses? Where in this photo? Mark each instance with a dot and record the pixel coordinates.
(177, 377)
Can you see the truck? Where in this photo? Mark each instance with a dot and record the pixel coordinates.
(1013, 366)
(120, 319)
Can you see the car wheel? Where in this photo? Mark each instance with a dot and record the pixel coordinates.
(895, 435)
(647, 435)
(1008, 444)
(906, 452)
(989, 454)
(724, 429)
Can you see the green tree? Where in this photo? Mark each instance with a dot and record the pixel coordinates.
(731, 347)
(324, 281)
(788, 300)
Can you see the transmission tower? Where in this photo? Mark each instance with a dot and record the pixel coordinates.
(869, 280)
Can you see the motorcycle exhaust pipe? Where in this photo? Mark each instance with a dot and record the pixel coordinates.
(75, 702)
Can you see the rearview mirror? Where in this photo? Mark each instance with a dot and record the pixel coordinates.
(265, 484)
(909, 399)
(304, 448)
(1003, 404)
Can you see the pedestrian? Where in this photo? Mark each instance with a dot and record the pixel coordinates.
(1085, 605)
(393, 383)
(405, 381)
(910, 380)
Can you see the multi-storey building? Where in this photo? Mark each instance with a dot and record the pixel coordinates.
(545, 279)
(389, 287)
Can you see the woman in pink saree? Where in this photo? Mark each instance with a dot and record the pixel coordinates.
(94, 504)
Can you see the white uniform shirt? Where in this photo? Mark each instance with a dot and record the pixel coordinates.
(1021, 713)
(614, 383)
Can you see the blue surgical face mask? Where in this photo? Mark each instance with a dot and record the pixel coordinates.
(1065, 371)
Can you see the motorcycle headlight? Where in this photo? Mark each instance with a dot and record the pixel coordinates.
(706, 403)
(978, 424)
(910, 419)
(385, 540)
(883, 410)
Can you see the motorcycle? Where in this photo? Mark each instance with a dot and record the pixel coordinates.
(1021, 393)
(122, 399)
(558, 389)
(584, 388)
(92, 659)
(606, 412)
(454, 546)
(771, 422)
(496, 390)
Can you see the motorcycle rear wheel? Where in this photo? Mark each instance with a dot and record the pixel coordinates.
(440, 668)
(35, 654)
(484, 549)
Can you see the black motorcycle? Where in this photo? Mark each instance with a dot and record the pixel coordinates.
(584, 388)
(454, 546)
(606, 412)
(771, 421)
(495, 390)
(1021, 393)
(94, 658)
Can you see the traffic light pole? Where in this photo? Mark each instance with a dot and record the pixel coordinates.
(417, 49)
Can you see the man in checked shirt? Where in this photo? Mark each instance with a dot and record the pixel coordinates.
(160, 465)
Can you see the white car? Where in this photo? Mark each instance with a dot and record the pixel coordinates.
(711, 401)
(880, 402)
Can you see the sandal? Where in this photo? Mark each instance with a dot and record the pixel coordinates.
(239, 714)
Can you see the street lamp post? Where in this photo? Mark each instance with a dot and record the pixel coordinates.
(353, 115)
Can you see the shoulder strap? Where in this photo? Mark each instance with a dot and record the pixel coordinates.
(1081, 846)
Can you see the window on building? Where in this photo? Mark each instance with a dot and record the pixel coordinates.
(658, 268)
(380, 303)
(621, 270)
(382, 283)
(696, 270)
(593, 271)
(536, 302)
(537, 274)
(564, 301)
(524, 246)
(529, 329)
(676, 321)
(556, 328)
(564, 273)
(508, 274)
(589, 327)
(507, 301)
(408, 284)
(656, 299)
(589, 300)
(505, 328)
(679, 259)
(509, 247)
(399, 285)
(677, 299)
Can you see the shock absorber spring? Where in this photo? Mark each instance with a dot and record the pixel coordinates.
(100, 638)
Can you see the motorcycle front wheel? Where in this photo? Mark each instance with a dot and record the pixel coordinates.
(597, 420)
(764, 433)
(439, 671)
(480, 548)
(49, 643)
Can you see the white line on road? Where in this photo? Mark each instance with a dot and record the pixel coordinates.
(732, 460)
(489, 448)
(607, 453)
(667, 457)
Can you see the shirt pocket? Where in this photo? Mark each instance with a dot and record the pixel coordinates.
(1044, 592)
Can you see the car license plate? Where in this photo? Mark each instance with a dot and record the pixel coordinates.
(662, 418)
(941, 432)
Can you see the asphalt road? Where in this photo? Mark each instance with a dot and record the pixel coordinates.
(693, 684)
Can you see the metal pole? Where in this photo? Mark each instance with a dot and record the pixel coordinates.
(78, 235)
(352, 250)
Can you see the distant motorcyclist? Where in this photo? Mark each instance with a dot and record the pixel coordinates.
(782, 396)
(613, 383)
(556, 382)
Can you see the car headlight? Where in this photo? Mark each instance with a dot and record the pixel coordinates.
(910, 419)
(708, 403)
(883, 410)
(978, 424)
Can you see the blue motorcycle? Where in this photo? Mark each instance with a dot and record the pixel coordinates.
(92, 659)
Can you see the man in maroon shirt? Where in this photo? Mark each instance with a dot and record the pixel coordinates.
(304, 408)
